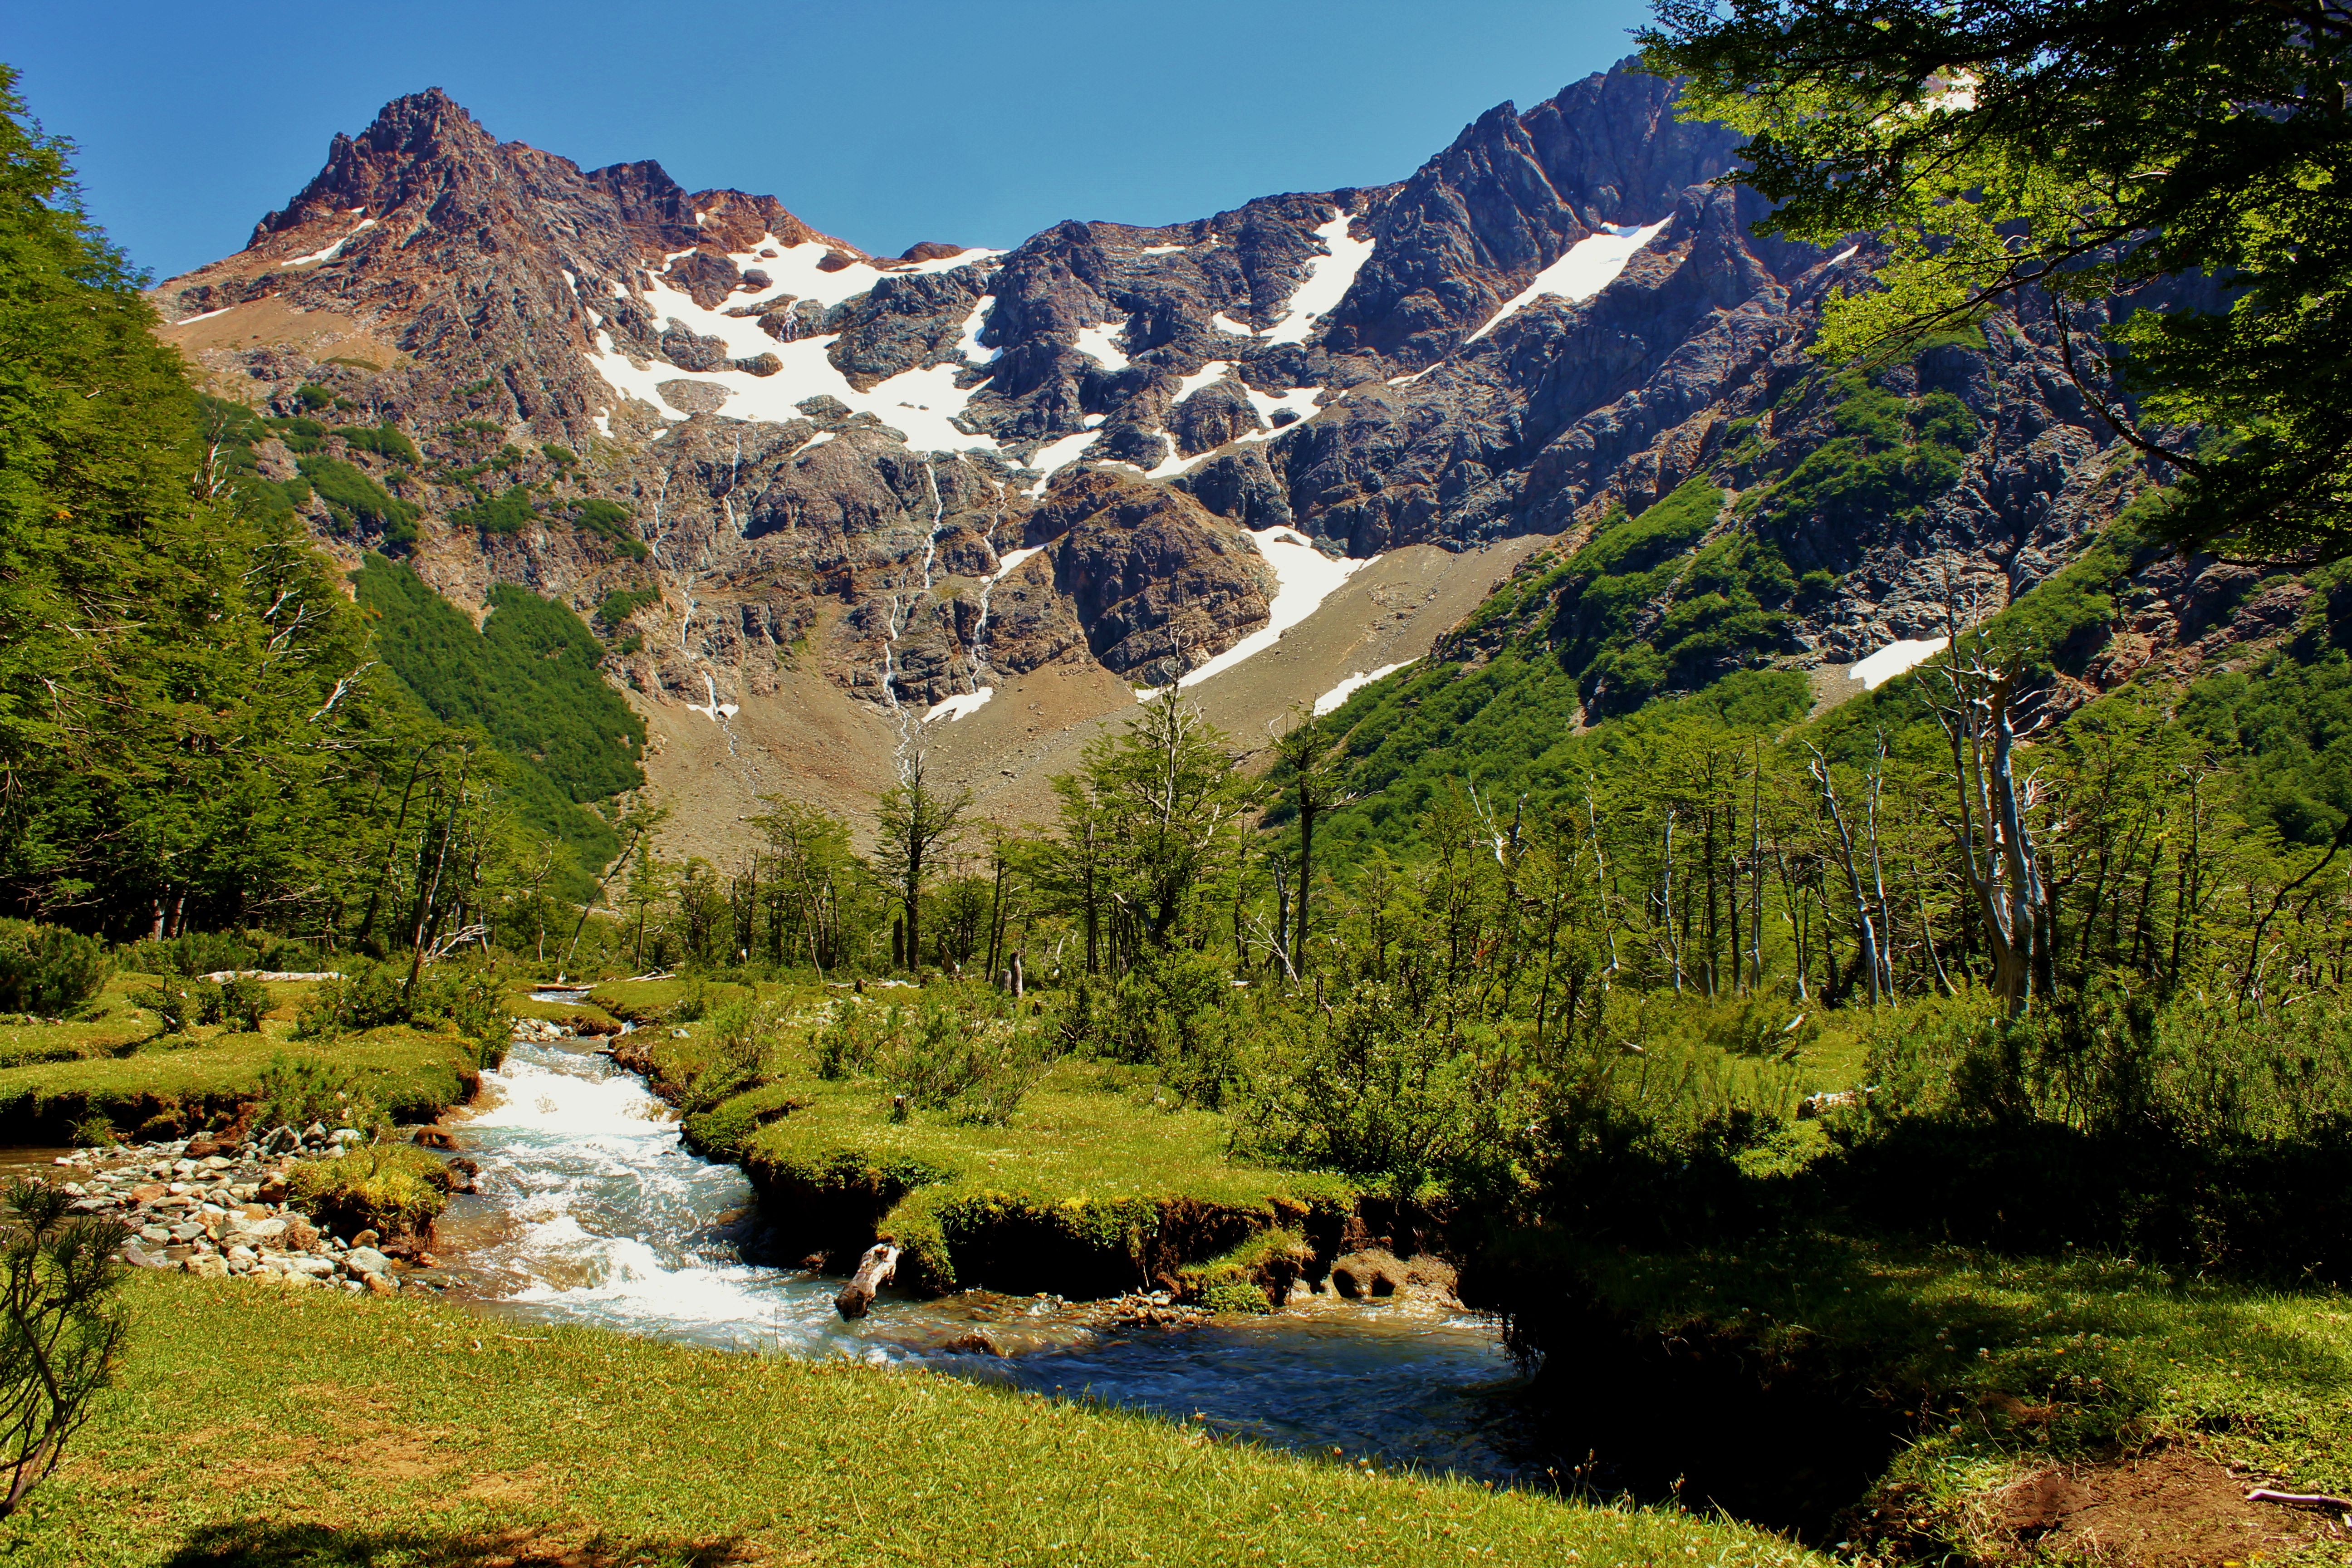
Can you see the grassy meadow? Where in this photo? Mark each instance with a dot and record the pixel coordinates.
(272, 1429)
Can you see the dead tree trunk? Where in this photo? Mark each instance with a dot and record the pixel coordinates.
(1995, 850)
(874, 1272)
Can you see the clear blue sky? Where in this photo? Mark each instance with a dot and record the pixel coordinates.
(883, 123)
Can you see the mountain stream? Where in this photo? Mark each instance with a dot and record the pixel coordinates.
(591, 1212)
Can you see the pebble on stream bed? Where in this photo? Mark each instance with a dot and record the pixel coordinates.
(220, 1210)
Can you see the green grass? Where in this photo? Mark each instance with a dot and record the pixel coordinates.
(112, 1062)
(2000, 1366)
(651, 1001)
(1082, 1183)
(1072, 1139)
(258, 1427)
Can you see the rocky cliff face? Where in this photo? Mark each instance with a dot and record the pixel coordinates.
(915, 477)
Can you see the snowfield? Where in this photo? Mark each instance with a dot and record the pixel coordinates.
(921, 403)
(1895, 659)
(1331, 700)
(1591, 265)
(1305, 577)
(1326, 284)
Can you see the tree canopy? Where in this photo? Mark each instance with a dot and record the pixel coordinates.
(2171, 174)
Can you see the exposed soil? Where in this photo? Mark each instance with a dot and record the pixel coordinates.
(2171, 1506)
(274, 322)
(809, 740)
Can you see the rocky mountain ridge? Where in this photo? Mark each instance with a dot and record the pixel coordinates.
(911, 483)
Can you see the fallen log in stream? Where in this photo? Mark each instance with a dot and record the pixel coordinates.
(874, 1272)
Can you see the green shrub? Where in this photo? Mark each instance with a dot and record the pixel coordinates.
(354, 500)
(622, 602)
(611, 521)
(171, 1001)
(392, 1189)
(1371, 1089)
(310, 396)
(244, 1002)
(190, 954)
(384, 441)
(561, 457)
(368, 997)
(296, 1090)
(47, 969)
(509, 512)
(849, 1042)
(95, 1130)
(1223, 1295)
(1172, 1011)
(299, 435)
(964, 1050)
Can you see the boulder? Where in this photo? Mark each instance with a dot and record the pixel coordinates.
(366, 1260)
(299, 1235)
(211, 1265)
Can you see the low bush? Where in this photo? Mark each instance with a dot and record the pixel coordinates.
(392, 1189)
(190, 955)
(967, 1050)
(384, 442)
(368, 997)
(47, 969)
(354, 499)
(466, 998)
(1173, 1011)
(297, 1090)
(1373, 1089)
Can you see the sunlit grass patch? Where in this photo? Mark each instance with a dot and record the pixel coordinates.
(313, 1428)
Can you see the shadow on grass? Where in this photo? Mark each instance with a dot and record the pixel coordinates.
(259, 1544)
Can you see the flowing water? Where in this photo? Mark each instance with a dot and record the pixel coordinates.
(592, 1212)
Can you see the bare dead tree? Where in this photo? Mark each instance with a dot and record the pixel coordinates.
(1978, 712)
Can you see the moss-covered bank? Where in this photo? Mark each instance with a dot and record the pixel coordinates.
(1091, 1188)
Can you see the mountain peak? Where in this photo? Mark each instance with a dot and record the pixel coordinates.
(423, 140)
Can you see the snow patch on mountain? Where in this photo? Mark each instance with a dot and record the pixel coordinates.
(968, 340)
(796, 270)
(1101, 344)
(1327, 282)
(1304, 577)
(335, 249)
(1209, 374)
(920, 403)
(954, 707)
(1329, 702)
(1895, 659)
(1054, 455)
(1591, 265)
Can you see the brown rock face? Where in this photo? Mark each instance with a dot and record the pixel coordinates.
(1159, 583)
